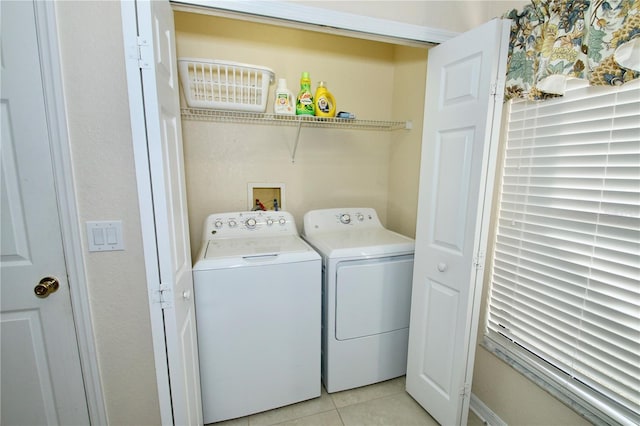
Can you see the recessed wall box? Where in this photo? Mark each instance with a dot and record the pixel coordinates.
(269, 195)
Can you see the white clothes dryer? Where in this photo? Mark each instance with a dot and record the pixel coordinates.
(366, 284)
(258, 298)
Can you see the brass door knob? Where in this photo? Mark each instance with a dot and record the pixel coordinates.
(46, 286)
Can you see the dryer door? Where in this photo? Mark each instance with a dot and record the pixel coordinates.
(373, 296)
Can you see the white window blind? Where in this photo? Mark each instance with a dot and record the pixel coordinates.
(566, 264)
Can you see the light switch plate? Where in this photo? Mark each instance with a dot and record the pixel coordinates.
(105, 235)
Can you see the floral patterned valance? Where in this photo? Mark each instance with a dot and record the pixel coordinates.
(552, 40)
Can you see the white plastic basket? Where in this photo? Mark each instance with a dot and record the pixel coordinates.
(225, 85)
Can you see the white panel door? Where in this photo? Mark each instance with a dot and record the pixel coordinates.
(166, 166)
(456, 183)
(41, 379)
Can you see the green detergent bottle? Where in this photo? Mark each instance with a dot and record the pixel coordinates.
(304, 101)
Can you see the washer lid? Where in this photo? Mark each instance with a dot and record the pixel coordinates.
(233, 252)
(366, 242)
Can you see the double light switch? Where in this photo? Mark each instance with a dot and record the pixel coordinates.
(105, 235)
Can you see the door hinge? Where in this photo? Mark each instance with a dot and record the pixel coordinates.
(497, 87)
(465, 390)
(478, 261)
(144, 53)
(163, 296)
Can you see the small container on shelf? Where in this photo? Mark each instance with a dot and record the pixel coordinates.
(325, 103)
(285, 102)
(304, 100)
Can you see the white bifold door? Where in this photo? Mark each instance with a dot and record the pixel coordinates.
(157, 137)
(459, 150)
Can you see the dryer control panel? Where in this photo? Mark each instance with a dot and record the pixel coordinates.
(341, 219)
(249, 224)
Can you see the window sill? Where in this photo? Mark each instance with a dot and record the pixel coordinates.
(579, 398)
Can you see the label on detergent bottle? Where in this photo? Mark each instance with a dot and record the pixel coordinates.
(282, 100)
(324, 105)
(305, 104)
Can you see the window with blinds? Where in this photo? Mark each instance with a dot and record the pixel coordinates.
(565, 280)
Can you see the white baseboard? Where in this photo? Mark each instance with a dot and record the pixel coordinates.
(484, 413)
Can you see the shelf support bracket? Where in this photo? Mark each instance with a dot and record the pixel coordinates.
(295, 143)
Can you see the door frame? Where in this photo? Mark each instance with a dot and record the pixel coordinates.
(55, 110)
(288, 14)
(279, 13)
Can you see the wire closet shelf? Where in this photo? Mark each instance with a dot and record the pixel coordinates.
(201, 114)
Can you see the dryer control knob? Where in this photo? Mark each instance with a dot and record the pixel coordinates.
(282, 221)
(360, 217)
(269, 222)
(250, 223)
(218, 224)
(233, 223)
(345, 218)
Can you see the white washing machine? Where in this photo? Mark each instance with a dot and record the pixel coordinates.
(366, 283)
(257, 289)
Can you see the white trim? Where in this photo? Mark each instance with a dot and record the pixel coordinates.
(67, 206)
(325, 20)
(483, 218)
(485, 413)
(286, 14)
(145, 202)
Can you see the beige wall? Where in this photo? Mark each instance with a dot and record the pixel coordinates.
(404, 159)
(100, 134)
(333, 167)
(451, 15)
(96, 96)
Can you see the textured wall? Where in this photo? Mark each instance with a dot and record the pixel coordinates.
(98, 116)
(333, 168)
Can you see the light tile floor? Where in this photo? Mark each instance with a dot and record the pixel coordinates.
(385, 403)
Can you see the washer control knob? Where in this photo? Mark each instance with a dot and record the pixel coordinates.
(233, 223)
(269, 221)
(282, 221)
(360, 217)
(218, 223)
(345, 218)
(250, 223)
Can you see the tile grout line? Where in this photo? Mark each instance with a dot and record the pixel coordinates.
(400, 390)
(340, 417)
(310, 415)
